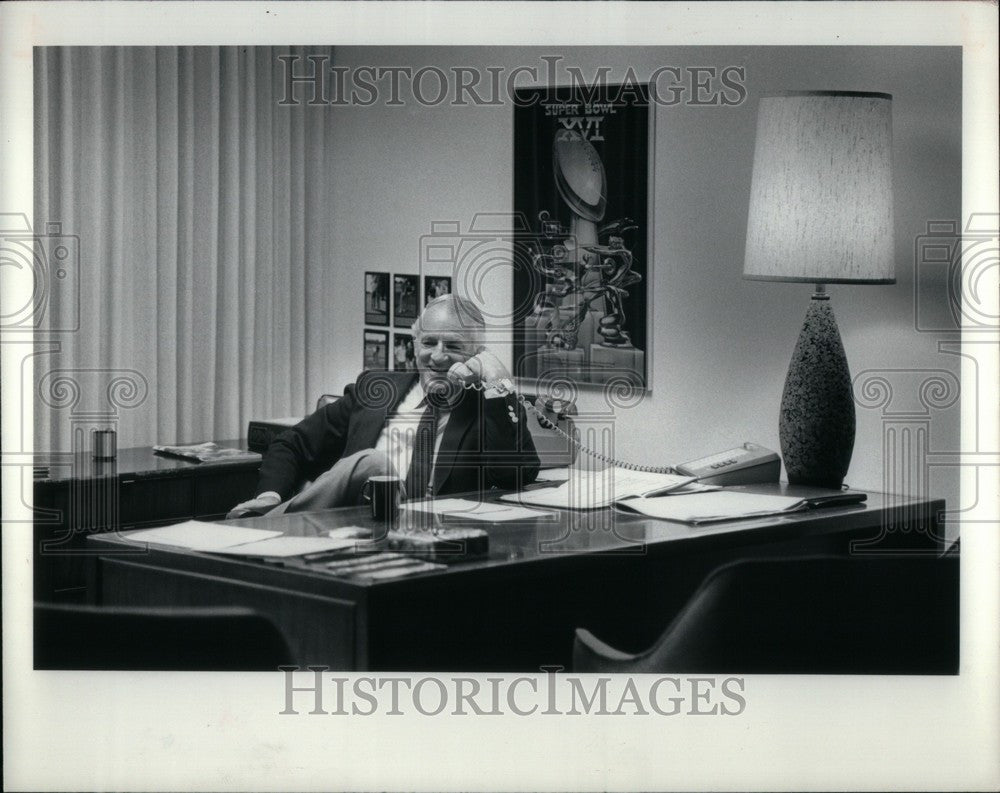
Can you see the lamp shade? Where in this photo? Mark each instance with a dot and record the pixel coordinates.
(821, 198)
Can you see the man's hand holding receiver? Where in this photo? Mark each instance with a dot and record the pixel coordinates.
(484, 368)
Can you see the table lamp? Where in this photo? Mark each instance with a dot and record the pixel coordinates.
(821, 212)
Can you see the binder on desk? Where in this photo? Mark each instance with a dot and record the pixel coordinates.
(723, 505)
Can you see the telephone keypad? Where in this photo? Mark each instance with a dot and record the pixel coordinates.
(746, 465)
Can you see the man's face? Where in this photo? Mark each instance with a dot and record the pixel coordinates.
(442, 340)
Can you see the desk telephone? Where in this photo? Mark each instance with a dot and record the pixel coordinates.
(743, 465)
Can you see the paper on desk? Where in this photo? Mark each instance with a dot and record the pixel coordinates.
(350, 533)
(289, 546)
(713, 506)
(552, 475)
(475, 510)
(596, 489)
(199, 535)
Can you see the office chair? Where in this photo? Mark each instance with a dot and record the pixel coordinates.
(188, 639)
(818, 615)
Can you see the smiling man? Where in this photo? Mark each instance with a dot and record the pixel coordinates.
(446, 428)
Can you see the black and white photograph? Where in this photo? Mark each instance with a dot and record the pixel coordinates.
(404, 358)
(674, 423)
(376, 298)
(376, 354)
(406, 300)
(436, 286)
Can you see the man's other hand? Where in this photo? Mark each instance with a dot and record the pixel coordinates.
(254, 507)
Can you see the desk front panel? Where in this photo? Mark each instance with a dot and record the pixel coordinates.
(320, 628)
(622, 577)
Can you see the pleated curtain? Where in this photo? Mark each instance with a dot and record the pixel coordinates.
(201, 209)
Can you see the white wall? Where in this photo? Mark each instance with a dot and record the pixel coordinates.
(721, 344)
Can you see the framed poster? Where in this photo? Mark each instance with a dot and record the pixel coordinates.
(582, 185)
(406, 306)
(404, 357)
(376, 350)
(436, 286)
(376, 298)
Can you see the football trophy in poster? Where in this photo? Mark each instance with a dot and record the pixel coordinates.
(581, 171)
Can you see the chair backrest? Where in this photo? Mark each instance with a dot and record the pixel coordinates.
(326, 399)
(818, 615)
(192, 639)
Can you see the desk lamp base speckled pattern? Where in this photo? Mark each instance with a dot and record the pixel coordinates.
(816, 426)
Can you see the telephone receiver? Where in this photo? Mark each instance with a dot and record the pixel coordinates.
(474, 381)
(743, 465)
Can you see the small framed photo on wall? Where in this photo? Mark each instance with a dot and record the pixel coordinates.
(376, 298)
(404, 358)
(406, 299)
(436, 286)
(376, 353)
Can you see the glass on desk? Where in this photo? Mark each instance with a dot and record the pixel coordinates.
(104, 444)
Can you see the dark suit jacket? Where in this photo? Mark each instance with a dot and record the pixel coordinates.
(481, 447)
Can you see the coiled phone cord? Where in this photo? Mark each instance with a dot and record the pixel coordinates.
(504, 387)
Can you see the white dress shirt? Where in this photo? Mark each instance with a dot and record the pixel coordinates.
(396, 438)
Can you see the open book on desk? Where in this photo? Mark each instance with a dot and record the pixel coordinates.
(596, 489)
(722, 505)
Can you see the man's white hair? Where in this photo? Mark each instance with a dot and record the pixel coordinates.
(468, 314)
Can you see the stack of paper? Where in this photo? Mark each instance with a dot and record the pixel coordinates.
(715, 506)
(290, 546)
(553, 475)
(198, 535)
(490, 512)
(209, 452)
(595, 489)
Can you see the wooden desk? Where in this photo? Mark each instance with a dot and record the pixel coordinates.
(621, 576)
(75, 496)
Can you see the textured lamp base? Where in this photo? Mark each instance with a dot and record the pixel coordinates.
(816, 426)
